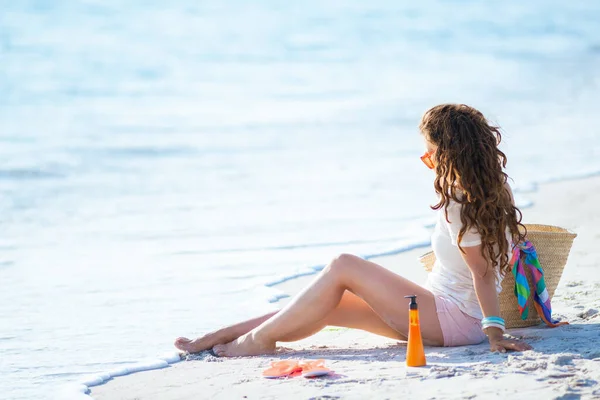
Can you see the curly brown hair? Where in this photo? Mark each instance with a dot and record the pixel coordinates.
(470, 171)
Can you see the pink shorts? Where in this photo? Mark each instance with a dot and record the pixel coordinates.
(458, 328)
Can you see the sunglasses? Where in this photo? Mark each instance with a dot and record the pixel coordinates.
(426, 158)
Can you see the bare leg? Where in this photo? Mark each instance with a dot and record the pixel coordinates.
(351, 312)
(380, 288)
(220, 336)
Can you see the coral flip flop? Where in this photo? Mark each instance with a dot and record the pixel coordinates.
(282, 369)
(313, 369)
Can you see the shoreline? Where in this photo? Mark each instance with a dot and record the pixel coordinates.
(355, 351)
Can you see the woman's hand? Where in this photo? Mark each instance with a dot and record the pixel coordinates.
(501, 345)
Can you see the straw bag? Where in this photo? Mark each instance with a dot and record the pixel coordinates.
(553, 245)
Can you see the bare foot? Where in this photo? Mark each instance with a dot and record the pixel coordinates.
(201, 343)
(246, 345)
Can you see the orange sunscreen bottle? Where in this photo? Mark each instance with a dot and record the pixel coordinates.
(415, 355)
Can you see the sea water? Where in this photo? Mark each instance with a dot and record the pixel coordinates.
(164, 164)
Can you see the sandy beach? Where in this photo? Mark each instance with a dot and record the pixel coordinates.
(565, 362)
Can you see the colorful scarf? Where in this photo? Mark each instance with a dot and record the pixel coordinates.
(525, 254)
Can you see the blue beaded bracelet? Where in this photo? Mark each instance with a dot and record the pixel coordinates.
(493, 322)
(496, 320)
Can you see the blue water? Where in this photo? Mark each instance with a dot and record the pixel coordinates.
(162, 163)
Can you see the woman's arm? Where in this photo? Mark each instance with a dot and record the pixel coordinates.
(484, 281)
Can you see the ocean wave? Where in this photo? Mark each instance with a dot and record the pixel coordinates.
(33, 173)
(81, 388)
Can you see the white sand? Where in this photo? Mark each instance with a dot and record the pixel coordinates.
(565, 362)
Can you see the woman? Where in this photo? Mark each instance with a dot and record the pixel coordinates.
(477, 224)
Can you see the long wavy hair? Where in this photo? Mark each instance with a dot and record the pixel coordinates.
(470, 171)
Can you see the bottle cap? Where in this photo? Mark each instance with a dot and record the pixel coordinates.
(413, 302)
